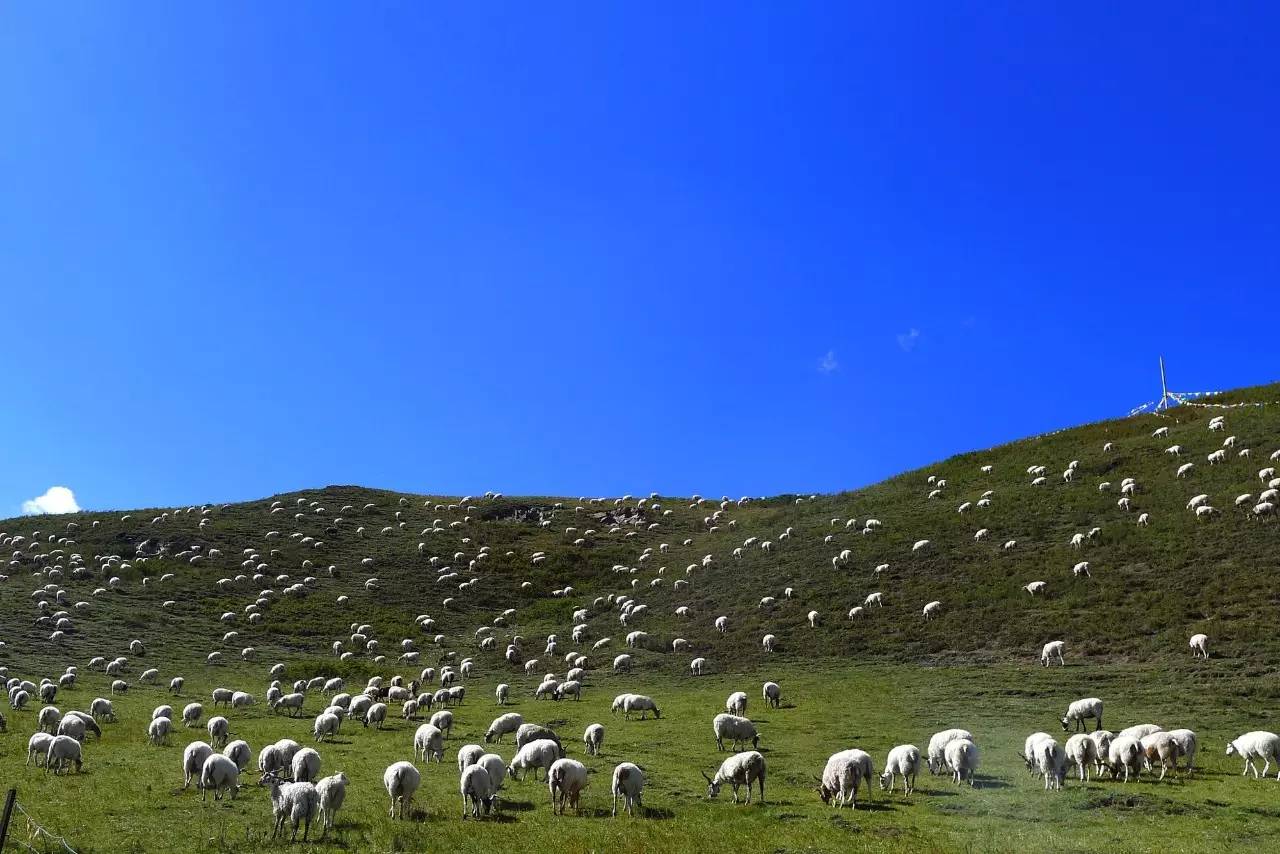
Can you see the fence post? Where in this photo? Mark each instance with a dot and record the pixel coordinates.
(4, 818)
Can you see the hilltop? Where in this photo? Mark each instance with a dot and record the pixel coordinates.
(1151, 587)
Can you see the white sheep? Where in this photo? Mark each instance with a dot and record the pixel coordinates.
(961, 756)
(297, 802)
(769, 642)
(401, 780)
(1125, 752)
(1083, 752)
(1188, 744)
(1199, 644)
(937, 746)
(193, 757)
(63, 750)
(1035, 587)
(932, 609)
(476, 786)
(628, 782)
(1081, 710)
(326, 725)
(772, 695)
(1163, 748)
(219, 731)
(220, 774)
(468, 755)
(332, 791)
(305, 765)
(158, 731)
(737, 703)
(1256, 745)
(428, 741)
(1050, 762)
(1050, 650)
(238, 752)
(738, 770)
(843, 775)
(566, 780)
(540, 753)
(904, 760)
(737, 729)
(502, 725)
(698, 666)
(639, 703)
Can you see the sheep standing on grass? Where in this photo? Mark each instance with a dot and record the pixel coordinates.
(1051, 650)
(542, 753)
(428, 741)
(961, 757)
(772, 695)
(1125, 753)
(1199, 646)
(937, 746)
(628, 781)
(1081, 710)
(905, 760)
(1051, 763)
(593, 738)
(63, 750)
(401, 780)
(844, 774)
(332, 791)
(1082, 751)
(193, 757)
(1259, 744)
(220, 774)
(566, 780)
(502, 725)
(737, 703)
(1163, 748)
(737, 729)
(476, 787)
(299, 803)
(1188, 744)
(738, 770)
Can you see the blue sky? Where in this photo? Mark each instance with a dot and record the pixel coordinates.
(734, 248)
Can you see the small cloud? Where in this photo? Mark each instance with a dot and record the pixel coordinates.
(828, 363)
(908, 340)
(58, 499)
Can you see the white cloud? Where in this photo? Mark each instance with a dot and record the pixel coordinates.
(828, 363)
(57, 499)
(908, 340)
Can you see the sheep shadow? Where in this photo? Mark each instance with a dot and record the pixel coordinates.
(519, 806)
(655, 813)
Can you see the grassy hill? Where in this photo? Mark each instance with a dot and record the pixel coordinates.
(848, 682)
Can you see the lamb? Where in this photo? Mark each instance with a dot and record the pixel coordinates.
(772, 695)
(1259, 744)
(1199, 646)
(566, 780)
(401, 780)
(477, 785)
(305, 765)
(1081, 710)
(628, 781)
(937, 747)
(593, 738)
(932, 610)
(1164, 748)
(738, 770)
(428, 741)
(501, 693)
(737, 703)
(1125, 752)
(193, 757)
(769, 642)
(332, 791)
(961, 756)
(502, 725)
(736, 729)
(62, 751)
(697, 666)
(639, 703)
(219, 774)
(297, 802)
(541, 753)
(844, 773)
(1051, 649)
(1082, 751)
(905, 760)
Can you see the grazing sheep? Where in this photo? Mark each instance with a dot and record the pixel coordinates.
(193, 757)
(1050, 650)
(191, 714)
(468, 755)
(219, 774)
(476, 786)
(332, 791)
(1125, 752)
(326, 725)
(428, 741)
(1081, 710)
(38, 747)
(305, 765)
(698, 666)
(639, 703)
(1101, 739)
(502, 725)
(961, 756)
(238, 752)
(628, 781)
(533, 732)
(738, 770)
(1163, 748)
(1259, 744)
(299, 803)
(932, 610)
(501, 693)
(566, 780)
(937, 748)
(158, 731)
(1199, 646)
(772, 695)
(769, 642)
(1082, 751)
(1035, 587)
(541, 753)
(1188, 744)
(737, 703)
(63, 750)
(844, 773)
(593, 738)
(737, 729)
(1051, 763)
(905, 760)
(219, 731)
(401, 780)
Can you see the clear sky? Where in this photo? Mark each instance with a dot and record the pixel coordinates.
(591, 248)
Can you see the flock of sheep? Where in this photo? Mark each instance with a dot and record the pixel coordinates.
(291, 771)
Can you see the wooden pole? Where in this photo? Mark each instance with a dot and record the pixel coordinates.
(8, 813)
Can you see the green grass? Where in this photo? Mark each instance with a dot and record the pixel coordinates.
(887, 679)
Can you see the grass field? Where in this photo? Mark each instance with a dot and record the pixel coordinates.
(884, 679)
(129, 798)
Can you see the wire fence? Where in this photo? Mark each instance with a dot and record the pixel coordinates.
(36, 835)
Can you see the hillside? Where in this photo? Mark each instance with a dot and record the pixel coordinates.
(1151, 587)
